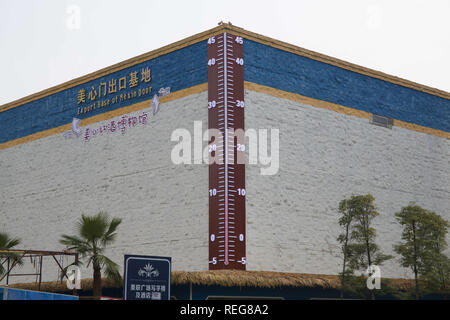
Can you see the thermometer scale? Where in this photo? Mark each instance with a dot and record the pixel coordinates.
(226, 175)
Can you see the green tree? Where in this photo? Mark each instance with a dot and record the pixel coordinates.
(8, 243)
(362, 251)
(422, 249)
(95, 233)
(436, 268)
(345, 221)
(412, 250)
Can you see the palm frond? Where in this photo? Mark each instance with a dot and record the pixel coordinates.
(111, 269)
(93, 228)
(74, 243)
(6, 242)
(71, 240)
(110, 235)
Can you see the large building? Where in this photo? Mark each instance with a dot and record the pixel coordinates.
(318, 130)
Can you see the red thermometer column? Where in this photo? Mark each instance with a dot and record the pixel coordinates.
(227, 176)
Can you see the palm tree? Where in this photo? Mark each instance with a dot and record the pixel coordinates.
(7, 243)
(95, 233)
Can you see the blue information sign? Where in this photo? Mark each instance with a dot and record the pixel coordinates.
(147, 278)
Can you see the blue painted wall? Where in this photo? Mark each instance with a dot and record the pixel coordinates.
(18, 294)
(180, 69)
(289, 72)
(263, 65)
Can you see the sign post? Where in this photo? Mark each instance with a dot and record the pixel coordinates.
(147, 277)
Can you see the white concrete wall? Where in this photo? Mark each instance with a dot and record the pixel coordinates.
(291, 217)
(47, 184)
(325, 157)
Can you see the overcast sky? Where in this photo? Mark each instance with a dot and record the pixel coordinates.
(47, 42)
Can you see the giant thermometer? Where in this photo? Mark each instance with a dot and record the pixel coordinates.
(226, 177)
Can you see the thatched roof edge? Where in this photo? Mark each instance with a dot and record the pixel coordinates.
(229, 278)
